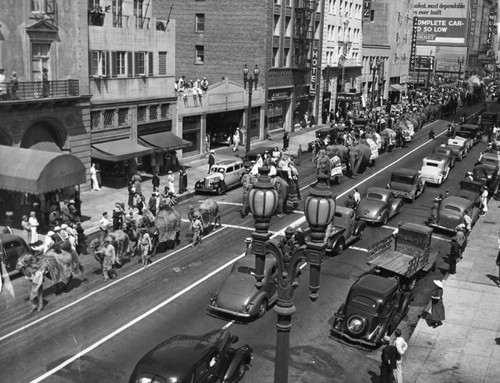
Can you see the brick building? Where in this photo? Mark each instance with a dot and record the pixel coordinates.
(214, 40)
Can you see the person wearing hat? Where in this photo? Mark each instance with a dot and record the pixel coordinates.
(197, 227)
(211, 160)
(104, 226)
(170, 181)
(401, 347)
(437, 314)
(484, 200)
(26, 227)
(183, 181)
(152, 203)
(33, 222)
(109, 259)
(48, 242)
(455, 252)
(118, 214)
(248, 244)
(64, 232)
(389, 359)
(236, 139)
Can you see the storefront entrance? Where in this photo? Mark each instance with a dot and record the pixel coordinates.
(221, 126)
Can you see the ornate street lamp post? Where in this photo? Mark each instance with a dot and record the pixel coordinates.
(251, 80)
(319, 211)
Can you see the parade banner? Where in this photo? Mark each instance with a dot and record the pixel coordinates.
(441, 23)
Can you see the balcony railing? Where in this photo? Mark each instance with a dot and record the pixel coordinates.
(33, 90)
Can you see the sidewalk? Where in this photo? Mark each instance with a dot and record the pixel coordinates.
(466, 347)
(94, 203)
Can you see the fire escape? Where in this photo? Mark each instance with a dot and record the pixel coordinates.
(304, 31)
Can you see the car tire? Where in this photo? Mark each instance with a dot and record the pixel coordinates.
(339, 246)
(262, 308)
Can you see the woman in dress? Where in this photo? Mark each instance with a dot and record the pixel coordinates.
(182, 180)
(437, 315)
(170, 181)
(33, 224)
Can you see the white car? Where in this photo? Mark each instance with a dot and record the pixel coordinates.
(435, 169)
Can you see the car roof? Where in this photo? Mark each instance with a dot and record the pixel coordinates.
(376, 283)
(228, 162)
(469, 126)
(405, 171)
(417, 228)
(375, 189)
(434, 158)
(456, 201)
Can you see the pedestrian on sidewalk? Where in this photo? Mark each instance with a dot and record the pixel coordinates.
(236, 139)
(455, 252)
(26, 227)
(484, 200)
(118, 214)
(139, 202)
(389, 361)
(93, 177)
(152, 203)
(298, 161)
(170, 181)
(211, 160)
(183, 180)
(286, 141)
(438, 314)
(145, 247)
(131, 195)
(156, 182)
(33, 222)
(109, 259)
(401, 346)
(136, 178)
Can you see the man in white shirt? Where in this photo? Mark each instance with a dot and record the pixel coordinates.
(357, 196)
(401, 346)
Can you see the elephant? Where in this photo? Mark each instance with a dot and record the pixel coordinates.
(58, 264)
(168, 225)
(281, 187)
(359, 157)
(343, 152)
(209, 213)
(119, 240)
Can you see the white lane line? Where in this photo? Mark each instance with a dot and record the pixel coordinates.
(389, 227)
(358, 249)
(105, 287)
(251, 228)
(229, 203)
(136, 320)
(164, 303)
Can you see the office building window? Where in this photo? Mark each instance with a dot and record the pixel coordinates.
(143, 63)
(162, 63)
(200, 22)
(141, 113)
(200, 54)
(123, 116)
(109, 115)
(121, 63)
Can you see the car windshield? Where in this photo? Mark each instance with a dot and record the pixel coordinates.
(435, 164)
(366, 303)
(246, 270)
(217, 170)
(375, 196)
(453, 208)
(402, 178)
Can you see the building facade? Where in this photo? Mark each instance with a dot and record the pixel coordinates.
(131, 74)
(342, 56)
(278, 37)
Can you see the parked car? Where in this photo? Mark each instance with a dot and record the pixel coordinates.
(378, 206)
(458, 146)
(343, 230)
(435, 169)
(223, 175)
(488, 120)
(374, 307)
(14, 247)
(470, 131)
(209, 358)
(446, 153)
(471, 190)
(238, 296)
(253, 154)
(487, 175)
(406, 183)
(451, 213)
(490, 160)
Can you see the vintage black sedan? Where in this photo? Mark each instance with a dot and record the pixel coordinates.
(451, 213)
(406, 183)
(374, 307)
(209, 358)
(237, 296)
(378, 206)
(13, 247)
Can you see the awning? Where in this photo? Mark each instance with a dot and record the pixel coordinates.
(397, 88)
(119, 150)
(164, 141)
(35, 171)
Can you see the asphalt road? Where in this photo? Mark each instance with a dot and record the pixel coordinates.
(96, 332)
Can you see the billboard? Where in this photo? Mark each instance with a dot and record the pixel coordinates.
(441, 22)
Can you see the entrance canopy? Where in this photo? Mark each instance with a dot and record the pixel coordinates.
(164, 141)
(35, 171)
(119, 150)
(397, 88)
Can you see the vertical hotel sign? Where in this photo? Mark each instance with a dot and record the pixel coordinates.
(413, 47)
(472, 22)
(367, 10)
(314, 72)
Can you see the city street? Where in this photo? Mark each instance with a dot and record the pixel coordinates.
(98, 331)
